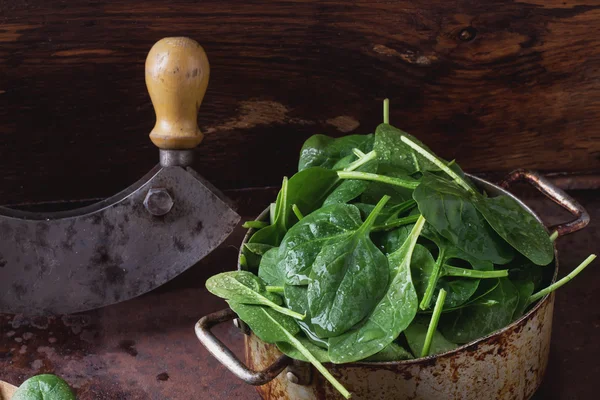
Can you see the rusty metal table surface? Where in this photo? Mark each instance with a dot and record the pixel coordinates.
(146, 348)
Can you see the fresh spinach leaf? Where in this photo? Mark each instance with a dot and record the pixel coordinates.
(451, 252)
(392, 240)
(246, 288)
(483, 317)
(347, 279)
(272, 327)
(273, 234)
(44, 387)
(268, 270)
(305, 240)
(525, 290)
(296, 299)
(290, 351)
(376, 190)
(393, 153)
(324, 151)
(306, 189)
(390, 213)
(511, 221)
(391, 315)
(518, 227)
(449, 209)
(310, 187)
(391, 352)
(344, 162)
(350, 189)
(423, 265)
(253, 253)
(416, 334)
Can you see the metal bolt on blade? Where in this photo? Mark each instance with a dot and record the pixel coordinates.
(158, 202)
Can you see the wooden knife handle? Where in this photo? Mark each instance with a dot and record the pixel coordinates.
(177, 73)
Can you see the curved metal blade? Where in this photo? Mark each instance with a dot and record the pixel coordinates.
(111, 251)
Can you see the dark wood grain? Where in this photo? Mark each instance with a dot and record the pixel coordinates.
(494, 84)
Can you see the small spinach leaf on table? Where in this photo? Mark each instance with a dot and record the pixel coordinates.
(324, 151)
(449, 209)
(44, 387)
(416, 333)
(391, 315)
(303, 242)
(246, 288)
(490, 313)
(347, 279)
(518, 227)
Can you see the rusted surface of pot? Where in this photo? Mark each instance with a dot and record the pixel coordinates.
(507, 364)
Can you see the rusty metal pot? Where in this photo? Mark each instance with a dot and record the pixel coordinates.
(507, 364)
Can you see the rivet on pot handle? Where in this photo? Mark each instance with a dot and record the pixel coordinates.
(227, 358)
(555, 194)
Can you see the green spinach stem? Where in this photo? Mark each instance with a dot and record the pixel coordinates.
(433, 279)
(554, 236)
(297, 211)
(284, 311)
(366, 176)
(435, 318)
(358, 153)
(438, 163)
(365, 158)
(536, 296)
(386, 111)
(255, 224)
(449, 270)
(281, 208)
(366, 226)
(395, 223)
(274, 289)
(312, 359)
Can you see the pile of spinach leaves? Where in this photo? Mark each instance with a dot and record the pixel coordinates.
(379, 250)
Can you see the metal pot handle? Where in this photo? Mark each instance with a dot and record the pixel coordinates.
(226, 356)
(557, 195)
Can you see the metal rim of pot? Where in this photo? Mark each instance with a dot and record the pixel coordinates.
(256, 378)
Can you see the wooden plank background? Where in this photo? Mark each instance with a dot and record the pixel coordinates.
(495, 84)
